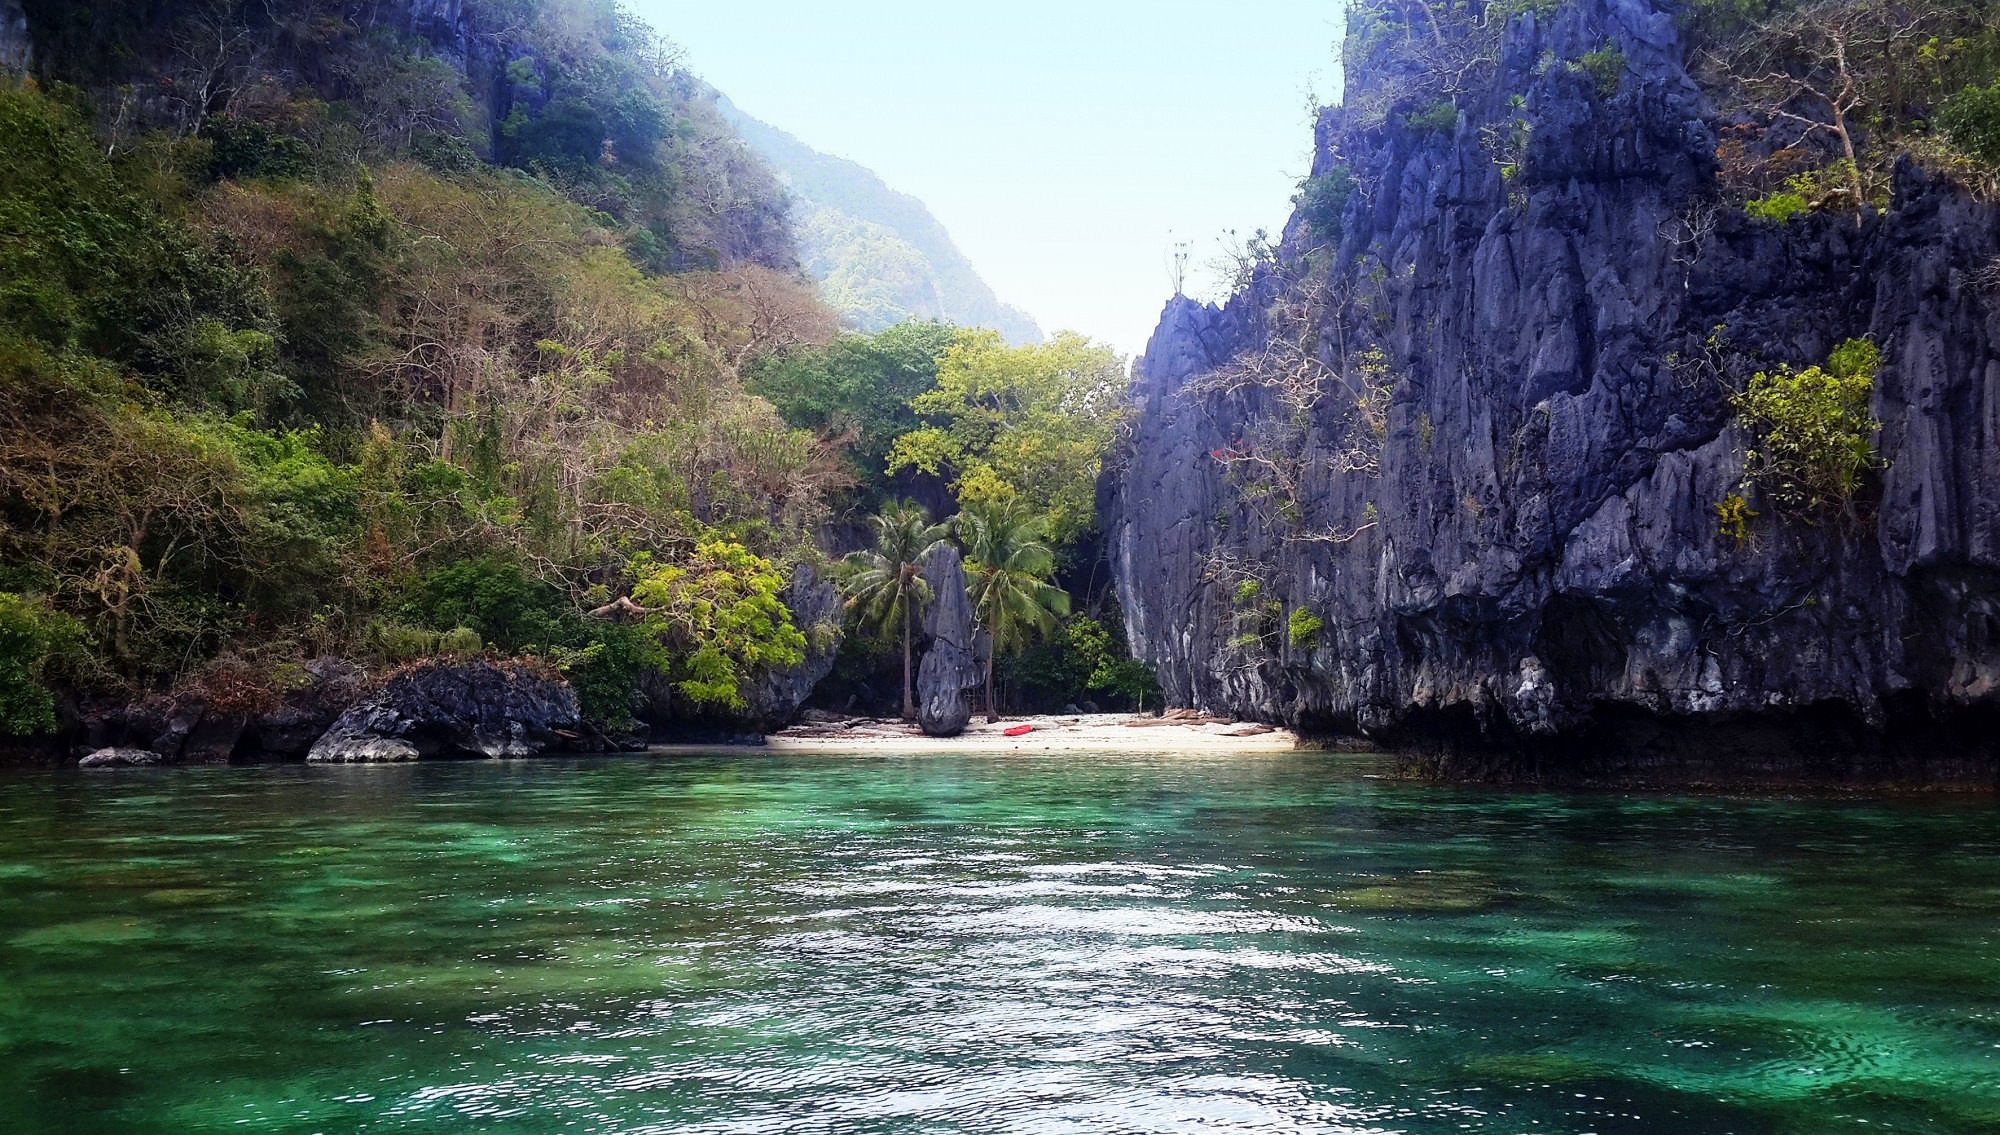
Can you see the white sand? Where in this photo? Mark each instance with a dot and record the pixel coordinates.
(1085, 733)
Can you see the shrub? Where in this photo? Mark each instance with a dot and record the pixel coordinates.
(1778, 206)
(1321, 200)
(721, 621)
(1829, 188)
(1605, 66)
(1439, 116)
(398, 642)
(1247, 592)
(1814, 435)
(1303, 628)
(1971, 119)
(1734, 514)
(607, 671)
(460, 642)
(30, 634)
(493, 599)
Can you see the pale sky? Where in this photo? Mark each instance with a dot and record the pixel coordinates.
(1066, 144)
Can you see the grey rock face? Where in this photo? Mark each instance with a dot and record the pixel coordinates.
(121, 758)
(305, 713)
(16, 48)
(815, 607)
(951, 665)
(1535, 582)
(469, 709)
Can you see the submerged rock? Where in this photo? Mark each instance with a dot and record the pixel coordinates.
(121, 758)
(455, 709)
(951, 665)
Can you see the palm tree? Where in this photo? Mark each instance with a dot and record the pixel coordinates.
(886, 588)
(1007, 567)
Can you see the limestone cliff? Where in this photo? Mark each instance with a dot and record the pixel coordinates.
(1513, 564)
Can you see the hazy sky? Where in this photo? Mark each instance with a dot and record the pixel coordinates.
(1065, 143)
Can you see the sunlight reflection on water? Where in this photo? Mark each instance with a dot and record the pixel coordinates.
(1131, 945)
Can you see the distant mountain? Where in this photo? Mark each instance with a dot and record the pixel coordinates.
(879, 255)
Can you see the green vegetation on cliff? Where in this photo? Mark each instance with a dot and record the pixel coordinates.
(374, 350)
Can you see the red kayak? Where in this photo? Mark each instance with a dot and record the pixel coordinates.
(1018, 730)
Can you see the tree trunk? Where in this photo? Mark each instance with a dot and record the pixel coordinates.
(992, 707)
(909, 698)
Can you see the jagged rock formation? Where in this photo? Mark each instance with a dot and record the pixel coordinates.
(951, 665)
(17, 51)
(815, 607)
(1524, 574)
(444, 709)
(187, 727)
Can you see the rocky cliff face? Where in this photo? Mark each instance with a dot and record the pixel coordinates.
(1517, 567)
(16, 49)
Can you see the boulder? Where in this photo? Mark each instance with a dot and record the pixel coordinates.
(455, 709)
(951, 665)
(122, 758)
(306, 711)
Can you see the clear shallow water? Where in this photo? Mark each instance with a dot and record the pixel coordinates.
(761, 944)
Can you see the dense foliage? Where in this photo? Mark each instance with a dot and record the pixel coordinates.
(1027, 426)
(391, 338)
(295, 371)
(1814, 433)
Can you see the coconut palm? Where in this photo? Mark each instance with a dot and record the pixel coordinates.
(1007, 566)
(886, 591)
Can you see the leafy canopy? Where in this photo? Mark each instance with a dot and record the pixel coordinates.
(1008, 564)
(1022, 425)
(886, 587)
(720, 615)
(1814, 434)
(858, 387)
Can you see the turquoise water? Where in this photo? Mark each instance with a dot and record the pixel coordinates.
(959, 944)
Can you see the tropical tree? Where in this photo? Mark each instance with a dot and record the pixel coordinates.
(1008, 564)
(886, 590)
(1020, 424)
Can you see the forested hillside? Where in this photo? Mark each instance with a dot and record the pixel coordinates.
(344, 340)
(879, 255)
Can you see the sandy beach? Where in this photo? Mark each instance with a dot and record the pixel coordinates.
(1183, 731)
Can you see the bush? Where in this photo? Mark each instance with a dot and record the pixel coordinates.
(460, 642)
(1735, 514)
(1605, 66)
(1089, 658)
(1303, 628)
(1814, 435)
(721, 621)
(30, 634)
(1829, 188)
(494, 599)
(1971, 119)
(1778, 206)
(607, 671)
(1439, 116)
(1321, 200)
